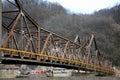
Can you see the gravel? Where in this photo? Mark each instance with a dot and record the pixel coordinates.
(66, 78)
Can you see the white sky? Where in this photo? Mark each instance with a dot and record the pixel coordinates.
(86, 6)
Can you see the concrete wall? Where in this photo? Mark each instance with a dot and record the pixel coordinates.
(8, 73)
(117, 73)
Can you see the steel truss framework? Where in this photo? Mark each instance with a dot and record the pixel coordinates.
(24, 39)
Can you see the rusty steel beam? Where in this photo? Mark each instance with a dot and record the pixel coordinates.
(88, 47)
(45, 44)
(77, 39)
(12, 3)
(66, 45)
(12, 30)
(10, 11)
(38, 41)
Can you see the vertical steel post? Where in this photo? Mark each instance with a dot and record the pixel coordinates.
(0, 23)
(0, 26)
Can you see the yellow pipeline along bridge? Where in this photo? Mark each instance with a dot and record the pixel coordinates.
(26, 42)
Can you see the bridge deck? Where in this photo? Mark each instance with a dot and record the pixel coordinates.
(41, 59)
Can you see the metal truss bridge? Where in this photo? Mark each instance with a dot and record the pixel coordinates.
(23, 41)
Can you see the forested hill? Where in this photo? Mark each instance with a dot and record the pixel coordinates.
(104, 24)
(114, 12)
